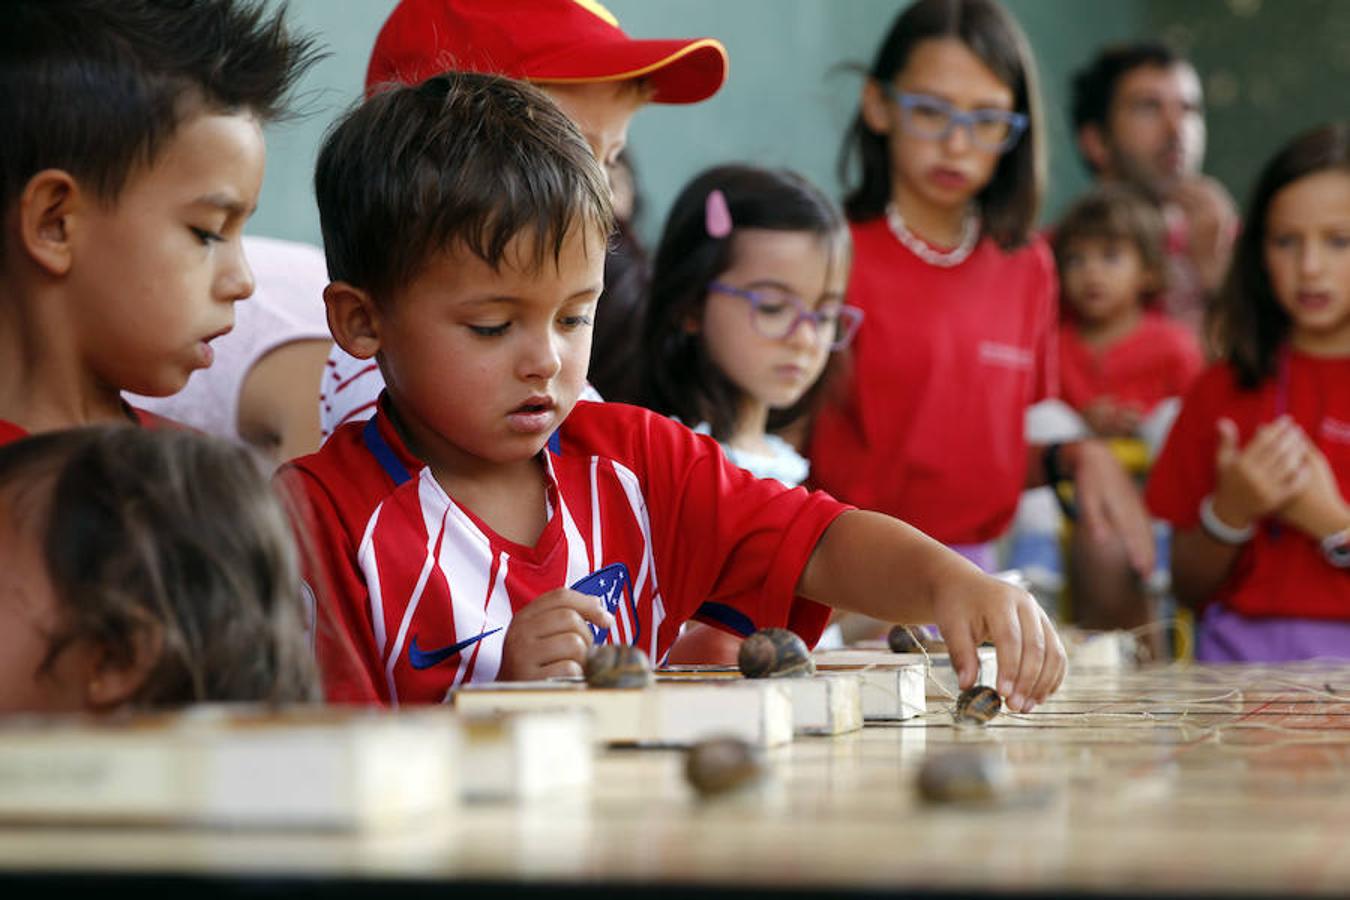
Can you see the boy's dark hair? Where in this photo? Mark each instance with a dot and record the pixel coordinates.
(1093, 89)
(462, 158)
(169, 540)
(1117, 212)
(679, 377)
(1247, 322)
(97, 87)
(1010, 202)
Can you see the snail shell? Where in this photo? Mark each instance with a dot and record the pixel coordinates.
(902, 640)
(719, 765)
(775, 653)
(965, 775)
(977, 705)
(617, 666)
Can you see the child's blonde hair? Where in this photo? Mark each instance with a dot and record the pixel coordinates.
(168, 545)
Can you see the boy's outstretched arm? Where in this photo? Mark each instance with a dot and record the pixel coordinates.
(873, 564)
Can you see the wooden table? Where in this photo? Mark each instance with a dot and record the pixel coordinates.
(1209, 780)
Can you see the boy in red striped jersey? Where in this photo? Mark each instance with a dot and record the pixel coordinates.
(487, 525)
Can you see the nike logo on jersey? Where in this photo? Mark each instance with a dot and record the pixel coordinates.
(425, 659)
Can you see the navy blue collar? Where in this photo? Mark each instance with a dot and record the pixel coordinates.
(393, 466)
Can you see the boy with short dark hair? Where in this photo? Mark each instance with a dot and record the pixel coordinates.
(465, 223)
(576, 52)
(133, 155)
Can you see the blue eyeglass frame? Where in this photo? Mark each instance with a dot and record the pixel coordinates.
(850, 316)
(1016, 121)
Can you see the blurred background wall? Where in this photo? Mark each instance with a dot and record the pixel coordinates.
(1270, 68)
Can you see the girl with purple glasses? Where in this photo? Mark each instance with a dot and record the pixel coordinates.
(746, 308)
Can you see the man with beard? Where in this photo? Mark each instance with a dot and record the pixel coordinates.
(1138, 117)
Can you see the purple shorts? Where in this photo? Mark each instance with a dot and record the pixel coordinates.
(1227, 636)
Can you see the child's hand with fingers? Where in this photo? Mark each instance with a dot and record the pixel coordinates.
(1255, 480)
(551, 636)
(1318, 508)
(1031, 659)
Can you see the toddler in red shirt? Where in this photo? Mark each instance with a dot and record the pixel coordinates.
(1120, 362)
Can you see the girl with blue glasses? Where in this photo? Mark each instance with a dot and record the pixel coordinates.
(945, 170)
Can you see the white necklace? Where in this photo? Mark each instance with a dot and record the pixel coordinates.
(970, 236)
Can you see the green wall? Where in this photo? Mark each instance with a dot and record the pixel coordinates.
(1270, 68)
(786, 101)
(347, 29)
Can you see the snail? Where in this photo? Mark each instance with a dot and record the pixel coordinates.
(775, 653)
(965, 776)
(617, 666)
(902, 640)
(722, 764)
(905, 639)
(977, 705)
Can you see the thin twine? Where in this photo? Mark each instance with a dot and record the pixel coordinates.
(928, 677)
(1178, 709)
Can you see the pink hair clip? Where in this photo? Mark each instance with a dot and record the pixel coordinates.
(717, 217)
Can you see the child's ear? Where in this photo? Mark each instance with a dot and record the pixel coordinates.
(111, 684)
(1092, 144)
(875, 108)
(47, 208)
(353, 318)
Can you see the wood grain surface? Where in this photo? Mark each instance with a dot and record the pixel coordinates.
(1232, 780)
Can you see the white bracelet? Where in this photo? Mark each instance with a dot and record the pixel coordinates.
(1220, 530)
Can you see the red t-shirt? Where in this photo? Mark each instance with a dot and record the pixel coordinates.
(10, 432)
(1157, 360)
(1281, 572)
(417, 592)
(929, 425)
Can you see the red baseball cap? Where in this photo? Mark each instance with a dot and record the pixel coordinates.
(543, 41)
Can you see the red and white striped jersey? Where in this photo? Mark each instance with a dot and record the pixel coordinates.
(415, 592)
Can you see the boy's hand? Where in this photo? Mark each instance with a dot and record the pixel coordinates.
(549, 636)
(1318, 509)
(1255, 480)
(1031, 660)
